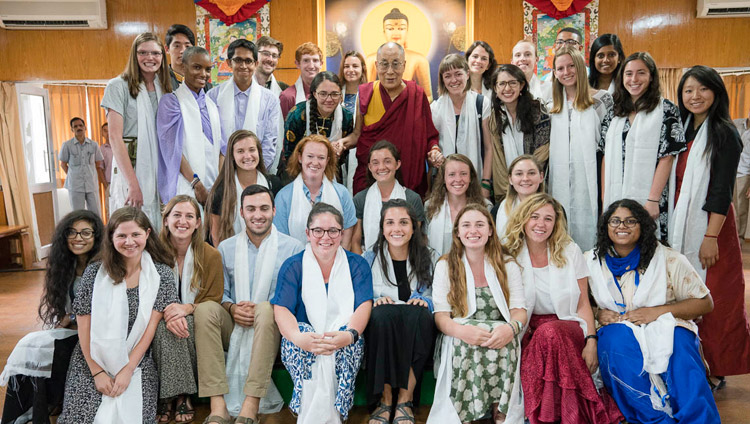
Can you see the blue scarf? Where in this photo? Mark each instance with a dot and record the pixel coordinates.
(620, 266)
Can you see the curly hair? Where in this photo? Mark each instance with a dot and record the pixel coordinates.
(200, 274)
(647, 241)
(294, 168)
(487, 74)
(649, 99)
(61, 266)
(516, 228)
(437, 197)
(420, 257)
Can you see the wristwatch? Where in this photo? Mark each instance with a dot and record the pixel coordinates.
(355, 334)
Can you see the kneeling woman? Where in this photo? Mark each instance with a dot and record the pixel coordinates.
(119, 303)
(649, 295)
(557, 360)
(480, 309)
(401, 329)
(321, 345)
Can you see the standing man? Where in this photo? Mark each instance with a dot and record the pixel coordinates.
(179, 37)
(742, 185)
(189, 131)
(251, 266)
(398, 111)
(307, 59)
(106, 150)
(82, 161)
(525, 57)
(269, 53)
(246, 105)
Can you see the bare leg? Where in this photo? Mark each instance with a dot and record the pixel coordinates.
(250, 407)
(219, 407)
(406, 395)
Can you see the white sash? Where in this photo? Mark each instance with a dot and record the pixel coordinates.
(351, 162)
(373, 206)
(301, 206)
(687, 219)
(239, 223)
(326, 313)
(146, 161)
(501, 217)
(225, 102)
(654, 339)
(338, 117)
(33, 354)
(641, 151)
(535, 87)
(274, 87)
(512, 139)
(110, 342)
(300, 87)
(467, 141)
(241, 341)
(199, 151)
(185, 290)
(572, 169)
(440, 228)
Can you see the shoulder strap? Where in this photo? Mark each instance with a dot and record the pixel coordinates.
(480, 103)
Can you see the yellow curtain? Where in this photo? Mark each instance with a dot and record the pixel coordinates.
(669, 79)
(65, 102)
(12, 165)
(97, 117)
(738, 87)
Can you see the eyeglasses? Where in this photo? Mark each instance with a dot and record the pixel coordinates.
(268, 54)
(239, 61)
(511, 84)
(323, 95)
(85, 234)
(383, 65)
(318, 232)
(570, 42)
(142, 53)
(628, 222)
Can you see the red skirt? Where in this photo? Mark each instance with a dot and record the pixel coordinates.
(557, 385)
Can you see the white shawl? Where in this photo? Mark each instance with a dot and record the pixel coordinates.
(512, 139)
(225, 103)
(275, 88)
(656, 338)
(440, 228)
(338, 118)
(687, 219)
(351, 162)
(301, 206)
(326, 313)
(186, 292)
(241, 341)
(371, 214)
(572, 168)
(239, 223)
(641, 151)
(300, 87)
(33, 354)
(501, 218)
(467, 141)
(146, 161)
(110, 342)
(380, 285)
(535, 87)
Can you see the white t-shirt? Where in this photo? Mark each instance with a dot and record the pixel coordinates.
(543, 305)
(743, 168)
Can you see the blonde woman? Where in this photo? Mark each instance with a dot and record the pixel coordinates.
(525, 177)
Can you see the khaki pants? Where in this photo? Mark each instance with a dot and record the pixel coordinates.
(742, 204)
(213, 329)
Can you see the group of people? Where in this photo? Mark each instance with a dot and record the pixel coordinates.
(336, 223)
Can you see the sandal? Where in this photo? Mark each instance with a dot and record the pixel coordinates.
(182, 408)
(217, 419)
(164, 411)
(245, 420)
(406, 418)
(376, 414)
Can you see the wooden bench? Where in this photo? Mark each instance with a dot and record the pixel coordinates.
(22, 238)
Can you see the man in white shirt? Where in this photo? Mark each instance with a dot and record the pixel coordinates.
(742, 185)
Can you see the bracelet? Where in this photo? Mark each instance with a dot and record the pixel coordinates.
(97, 373)
(195, 181)
(487, 180)
(193, 309)
(713, 237)
(652, 200)
(591, 336)
(512, 328)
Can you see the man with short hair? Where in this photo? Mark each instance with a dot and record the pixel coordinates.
(106, 150)
(524, 56)
(269, 53)
(82, 161)
(189, 132)
(246, 105)
(565, 36)
(398, 111)
(251, 265)
(307, 59)
(179, 37)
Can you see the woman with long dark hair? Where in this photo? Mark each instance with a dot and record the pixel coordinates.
(702, 224)
(482, 63)
(519, 125)
(352, 73)
(399, 337)
(38, 382)
(605, 57)
(648, 297)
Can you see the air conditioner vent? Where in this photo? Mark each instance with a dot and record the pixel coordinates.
(21, 24)
(728, 11)
(722, 9)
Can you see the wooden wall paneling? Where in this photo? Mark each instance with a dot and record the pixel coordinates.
(499, 23)
(3, 213)
(293, 22)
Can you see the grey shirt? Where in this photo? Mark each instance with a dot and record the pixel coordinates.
(412, 198)
(81, 159)
(117, 98)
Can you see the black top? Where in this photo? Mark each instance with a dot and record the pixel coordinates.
(273, 181)
(402, 279)
(724, 161)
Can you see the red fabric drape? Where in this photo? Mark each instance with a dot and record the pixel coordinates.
(551, 7)
(244, 13)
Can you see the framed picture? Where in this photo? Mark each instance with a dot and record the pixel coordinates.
(427, 29)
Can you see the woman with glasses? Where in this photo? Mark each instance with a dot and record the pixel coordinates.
(648, 297)
(130, 101)
(36, 369)
(312, 166)
(322, 304)
(322, 114)
(352, 73)
(461, 115)
(519, 125)
(482, 63)
(605, 59)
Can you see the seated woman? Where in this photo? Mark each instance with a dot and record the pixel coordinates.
(383, 166)
(119, 303)
(556, 359)
(199, 278)
(243, 166)
(525, 177)
(401, 330)
(649, 296)
(321, 345)
(37, 381)
(456, 185)
(480, 309)
(313, 167)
